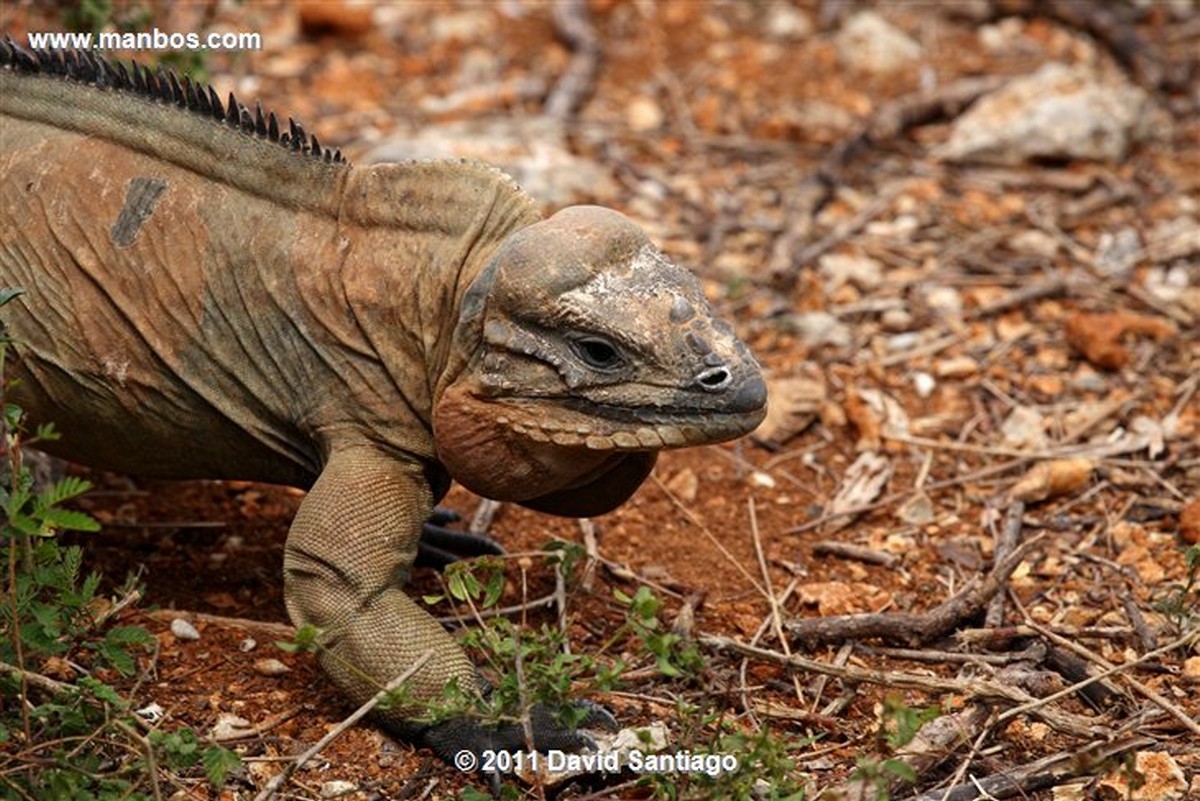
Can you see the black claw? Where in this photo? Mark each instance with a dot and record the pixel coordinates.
(440, 516)
(441, 546)
(433, 557)
(451, 737)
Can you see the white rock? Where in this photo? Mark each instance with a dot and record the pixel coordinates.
(869, 42)
(1117, 251)
(533, 151)
(917, 510)
(840, 268)
(336, 788)
(896, 320)
(1024, 428)
(270, 667)
(1058, 112)
(821, 328)
(787, 22)
(151, 713)
(184, 630)
(1035, 243)
(924, 383)
(644, 114)
(230, 727)
(945, 300)
(902, 226)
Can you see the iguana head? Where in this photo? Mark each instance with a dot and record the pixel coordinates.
(586, 342)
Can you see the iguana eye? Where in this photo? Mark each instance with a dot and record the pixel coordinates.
(598, 353)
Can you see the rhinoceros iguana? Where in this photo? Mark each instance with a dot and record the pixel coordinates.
(209, 296)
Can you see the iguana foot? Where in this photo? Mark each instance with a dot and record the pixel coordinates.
(440, 546)
(462, 741)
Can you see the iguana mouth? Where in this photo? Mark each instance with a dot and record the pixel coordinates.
(600, 426)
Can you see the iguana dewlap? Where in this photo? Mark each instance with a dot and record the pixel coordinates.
(208, 296)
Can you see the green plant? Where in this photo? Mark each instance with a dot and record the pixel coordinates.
(526, 665)
(899, 725)
(880, 773)
(1180, 602)
(68, 739)
(901, 722)
(97, 15)
(531, 664)
(675, 656)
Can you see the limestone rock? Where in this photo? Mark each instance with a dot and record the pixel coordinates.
(870, 43)
(1058, 112)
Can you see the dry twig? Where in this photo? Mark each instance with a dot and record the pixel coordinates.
(1075, 725)
(908, 628)
(573, 25)
(281, 778)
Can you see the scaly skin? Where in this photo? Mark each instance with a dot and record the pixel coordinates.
(204, 303)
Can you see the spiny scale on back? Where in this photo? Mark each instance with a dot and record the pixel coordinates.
(85, 67)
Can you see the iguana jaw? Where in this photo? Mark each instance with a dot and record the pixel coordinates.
(575, 422)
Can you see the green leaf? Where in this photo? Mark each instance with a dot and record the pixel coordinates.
(495, 586)
(899, 768)
(218, 763)
(69, 520)
(63, 490)
(129, 635)
(102, 692)
(7, 293)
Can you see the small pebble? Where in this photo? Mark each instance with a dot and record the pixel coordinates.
(270, 667)
(337, 788)
(184, 630)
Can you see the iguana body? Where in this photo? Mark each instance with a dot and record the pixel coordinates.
(202, 302)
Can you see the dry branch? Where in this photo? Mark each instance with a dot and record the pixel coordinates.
(280, 779)
(1075, 725)
(573, 25)
(911, 628)
(1040, 775)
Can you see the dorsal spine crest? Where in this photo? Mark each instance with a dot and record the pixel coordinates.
(163, 86)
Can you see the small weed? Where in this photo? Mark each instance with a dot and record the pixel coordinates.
(899, 726)
(901, 722)
(675, 657)
(1180, 603)
(530, 664)
(97, 15)
(73, 739)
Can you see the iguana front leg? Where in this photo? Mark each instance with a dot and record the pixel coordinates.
(347, 559)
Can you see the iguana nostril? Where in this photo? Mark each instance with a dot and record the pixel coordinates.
(715, 379)
(751, 395)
